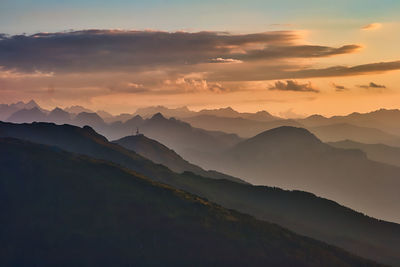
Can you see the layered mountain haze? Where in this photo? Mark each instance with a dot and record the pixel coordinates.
(185, 112)
(6, 110)
(343, 131)
(161, 154)
(378, 152)
(293, 158)
(383, 119)
(63, 209)
(373, 239)
(241, 126)
(87, 142)
(191, 143)
(28, 115)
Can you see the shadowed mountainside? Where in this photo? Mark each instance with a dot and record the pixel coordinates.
(63, 209)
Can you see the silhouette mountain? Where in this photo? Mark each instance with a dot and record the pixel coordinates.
(299, 211)
(77, 109)
(62, 209)
(161, 154)
(343, 131)
(148, 112)
(59, 116)
(293, 158)
(28, 115)
(378, 152)
(92, 119)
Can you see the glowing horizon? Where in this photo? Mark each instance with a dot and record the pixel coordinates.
(314, 58)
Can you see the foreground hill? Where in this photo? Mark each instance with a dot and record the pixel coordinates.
(378, 152)
(293, 158)
(61, 209)
(298, 211)
(158, 153)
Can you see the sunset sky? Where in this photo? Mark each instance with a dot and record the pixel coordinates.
(289, 57)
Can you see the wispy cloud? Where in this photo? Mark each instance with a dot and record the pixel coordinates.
(226, 60)
(372, 26)
(291, 85)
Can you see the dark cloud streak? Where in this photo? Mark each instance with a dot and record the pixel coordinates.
(373, 85)
(109, 50)
(290, 85)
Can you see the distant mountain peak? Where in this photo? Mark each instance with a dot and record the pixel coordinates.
(58, 110)
(316, 116)
(158, 116)
(77, 109)
(263, 112)
(227, 109)
(32, 103)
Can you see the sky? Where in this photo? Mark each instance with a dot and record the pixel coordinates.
(291, 58)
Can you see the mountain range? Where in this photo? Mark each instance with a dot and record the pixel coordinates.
(299, 211)
(377, 127)
(63, 209)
